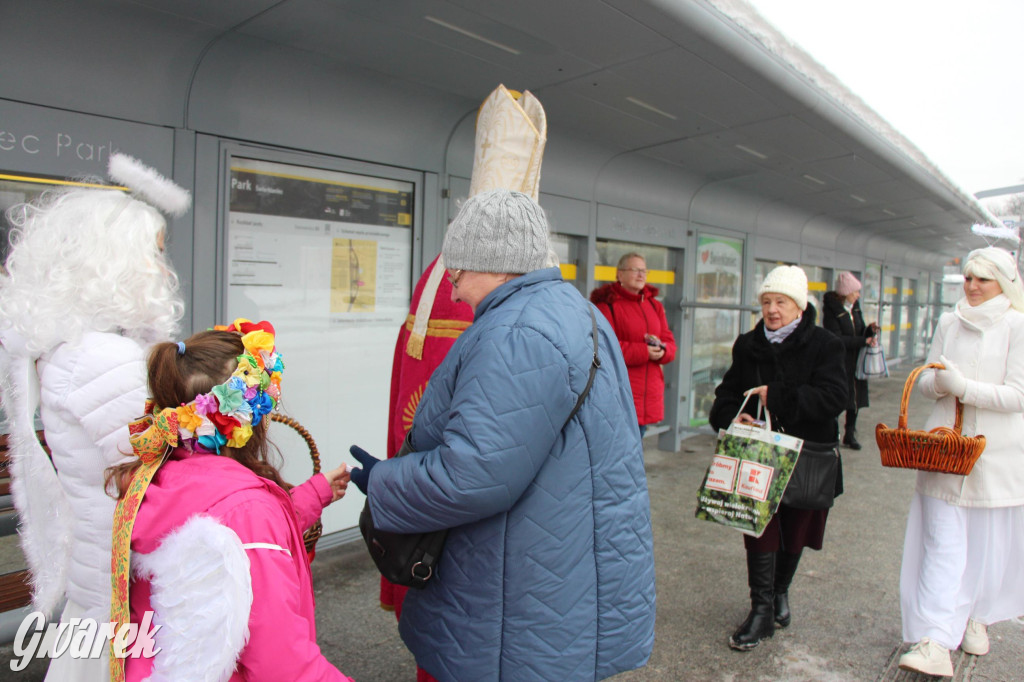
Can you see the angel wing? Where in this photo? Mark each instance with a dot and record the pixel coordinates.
(201, 594)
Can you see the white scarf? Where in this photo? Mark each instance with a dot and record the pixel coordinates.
(985, 314)
(780, 334)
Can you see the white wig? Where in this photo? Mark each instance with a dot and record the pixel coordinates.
(87, 259)
(998, 264)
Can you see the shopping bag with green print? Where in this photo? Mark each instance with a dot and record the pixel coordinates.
(747, 475)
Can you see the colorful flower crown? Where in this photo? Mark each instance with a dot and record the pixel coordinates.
(227, 414)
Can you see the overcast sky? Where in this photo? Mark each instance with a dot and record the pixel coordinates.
(947, 74)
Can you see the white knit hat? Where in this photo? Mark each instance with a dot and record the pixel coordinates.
(498, 230)
(789, 280)
(998, 264)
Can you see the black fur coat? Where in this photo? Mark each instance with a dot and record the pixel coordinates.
(805, 375)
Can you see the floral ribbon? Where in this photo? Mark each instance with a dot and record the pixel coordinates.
(150, 436)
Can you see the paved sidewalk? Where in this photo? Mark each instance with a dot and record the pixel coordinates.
(845, 599)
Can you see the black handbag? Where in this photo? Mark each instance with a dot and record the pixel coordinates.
(403, 558)
(817, 478)
(411, 559)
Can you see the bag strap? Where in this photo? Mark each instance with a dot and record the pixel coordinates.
(593, 370)
(761, 408)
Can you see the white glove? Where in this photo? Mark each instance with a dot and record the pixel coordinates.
(950, 380)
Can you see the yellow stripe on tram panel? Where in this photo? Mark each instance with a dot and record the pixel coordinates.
(568, 271)
(606, 273)
(51, 181)
(817, 286)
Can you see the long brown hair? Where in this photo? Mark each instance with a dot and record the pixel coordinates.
(177, 378)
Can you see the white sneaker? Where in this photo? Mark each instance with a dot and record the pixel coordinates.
(975, 640)
(928, 657)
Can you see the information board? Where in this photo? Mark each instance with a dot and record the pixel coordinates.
(326, 257)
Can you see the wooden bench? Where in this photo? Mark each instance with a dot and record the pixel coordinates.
(15, 591)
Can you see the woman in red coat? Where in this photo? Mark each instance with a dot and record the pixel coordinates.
(638, 319)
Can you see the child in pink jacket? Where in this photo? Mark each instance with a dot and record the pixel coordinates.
(215, 535)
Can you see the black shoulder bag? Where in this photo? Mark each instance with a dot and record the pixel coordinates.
(817, 478)
(411, 559)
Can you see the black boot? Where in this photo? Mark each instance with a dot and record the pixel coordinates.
(785, 569)
(760, 622)
(850, 439)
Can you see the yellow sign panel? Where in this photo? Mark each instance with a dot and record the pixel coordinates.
(353, 276)
(606, 273)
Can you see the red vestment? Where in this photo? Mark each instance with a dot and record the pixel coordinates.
(409, 376)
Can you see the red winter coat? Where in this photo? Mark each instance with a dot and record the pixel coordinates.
(632, 316)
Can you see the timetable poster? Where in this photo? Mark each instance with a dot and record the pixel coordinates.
(326, 257)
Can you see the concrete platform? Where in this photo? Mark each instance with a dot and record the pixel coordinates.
(845, 599)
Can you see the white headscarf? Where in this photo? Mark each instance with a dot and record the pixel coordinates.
(998, 264)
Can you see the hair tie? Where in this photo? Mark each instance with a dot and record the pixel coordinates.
(181, 347)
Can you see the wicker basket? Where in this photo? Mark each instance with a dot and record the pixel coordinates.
(316, 530)
(942, 449)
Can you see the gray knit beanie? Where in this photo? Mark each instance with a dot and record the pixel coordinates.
(498, 231)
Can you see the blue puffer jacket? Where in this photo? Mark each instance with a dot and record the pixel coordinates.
(548, 572)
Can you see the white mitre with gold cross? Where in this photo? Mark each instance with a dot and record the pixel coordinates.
(511, 131)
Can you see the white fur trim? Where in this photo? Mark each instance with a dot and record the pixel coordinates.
(152, 187)
(201, 596)
(44, 513)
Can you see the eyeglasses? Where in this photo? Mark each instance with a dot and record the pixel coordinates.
(453, 279)
(639, 271)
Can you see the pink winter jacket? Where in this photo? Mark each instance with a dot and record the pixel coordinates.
(282, 631)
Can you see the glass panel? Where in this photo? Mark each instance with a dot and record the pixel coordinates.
(714, 332)
(761, 270)
(569, 250)
(952, 286)
(891, 315)
(909, 321)
(719, 270)
(719, 280)
(659, 271)
(922, 332)
(819, 280)
(870, 294)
